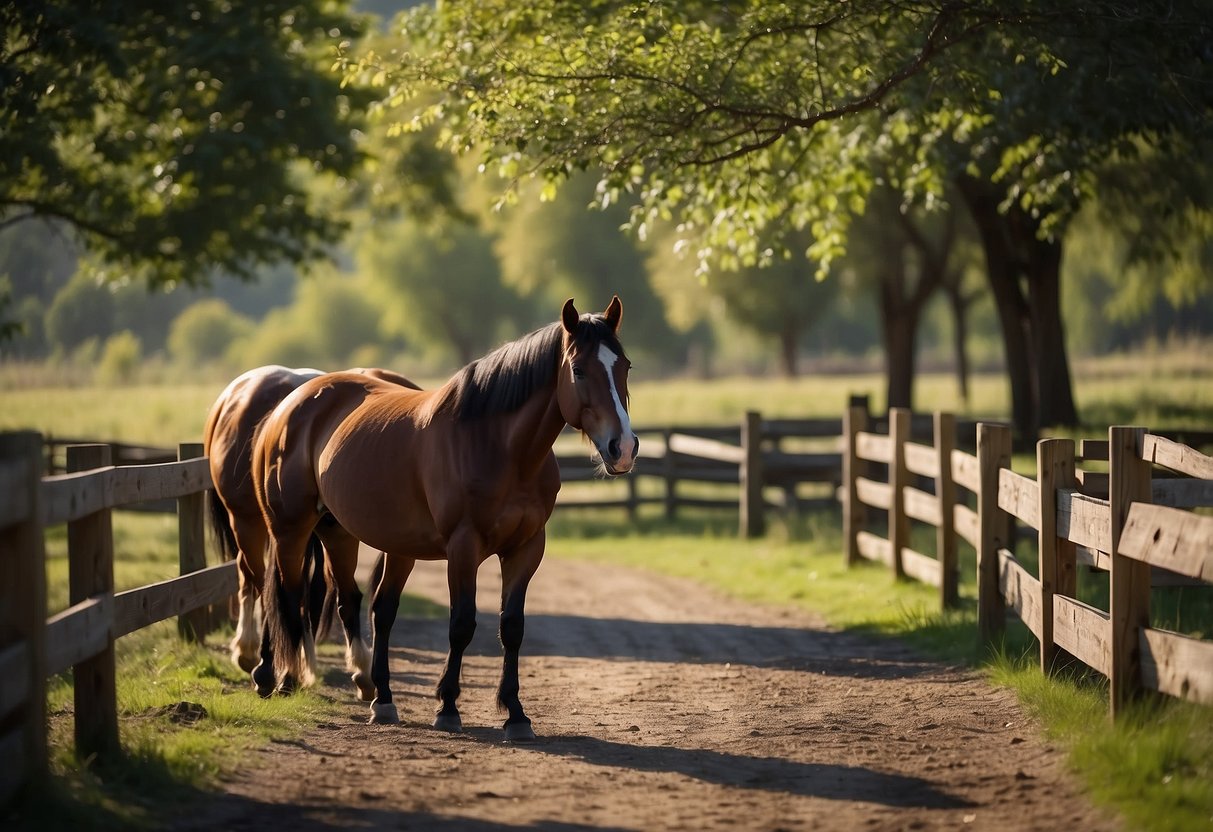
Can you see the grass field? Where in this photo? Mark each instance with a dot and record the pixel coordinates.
(1155, 767)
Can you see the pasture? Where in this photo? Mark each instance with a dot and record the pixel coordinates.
(798, 565)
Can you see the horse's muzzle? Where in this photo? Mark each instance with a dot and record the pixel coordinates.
(620, 457)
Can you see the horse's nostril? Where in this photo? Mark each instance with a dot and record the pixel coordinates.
(613, 448)
(635, 446)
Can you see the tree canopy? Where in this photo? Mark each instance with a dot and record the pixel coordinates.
(176, 138)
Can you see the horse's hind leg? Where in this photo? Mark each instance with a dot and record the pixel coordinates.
(249, 530)
(341, 551)
(517, 569)
(287, 647)
(385, 602)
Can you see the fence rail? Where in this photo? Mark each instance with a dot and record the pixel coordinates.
(81, 637)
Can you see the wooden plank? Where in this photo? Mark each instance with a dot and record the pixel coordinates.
(14, 670)
(945, 493)
(1094, 558)
(921, 567)
(1170, 538)
(191, 545)
(1129, 582)
(1019, 496)
(711, 449)
(967, 526)
(1182, 493)
(1093, 450)
(965, 471)
(1083, 632)
(1086, 521)
(922, 506)
(922, 460)
(16, 769)
(1020, 590)
(1057, 569)
(1177, 665)
(854, 420)
(139, 608)
(821, 467)
(873, 447)
(90, 545)
(69, 497)
(23, 606)
(874, 547)
(801, 428)
(874, 494)
(79, 632)
(1180, 458)
(995, 529)
(1093, 483)
(15, 507)
(900, 420)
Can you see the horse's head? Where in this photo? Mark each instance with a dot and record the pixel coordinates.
(592, 389)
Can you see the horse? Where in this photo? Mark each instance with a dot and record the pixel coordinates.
(457, 473)
(231, 425)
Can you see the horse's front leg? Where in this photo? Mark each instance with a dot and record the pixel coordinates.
(517, 568)
(463, 558)
(392, 572)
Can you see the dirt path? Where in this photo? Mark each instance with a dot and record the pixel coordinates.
(661, 705)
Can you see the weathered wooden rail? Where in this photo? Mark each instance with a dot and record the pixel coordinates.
(81, 637)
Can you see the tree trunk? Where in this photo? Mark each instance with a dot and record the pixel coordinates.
(899, 332)
(789, 344)
(1003, 270)
(960, 335)
(1055, 389)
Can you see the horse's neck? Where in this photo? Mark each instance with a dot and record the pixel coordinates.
(534, 427)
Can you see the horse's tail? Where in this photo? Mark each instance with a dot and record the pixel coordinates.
(283, 616)
(221, 525)
(321, 593)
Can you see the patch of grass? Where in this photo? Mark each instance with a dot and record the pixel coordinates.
(173, 750)
(1154, 764)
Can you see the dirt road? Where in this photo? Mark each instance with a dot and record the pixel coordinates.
(661, 705)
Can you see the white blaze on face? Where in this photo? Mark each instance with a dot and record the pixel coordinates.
(627, 438)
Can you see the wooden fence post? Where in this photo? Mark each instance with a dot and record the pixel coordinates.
(191, 546)
(22, 616)
(670, 474)
(945, 493)
(1057, 564)
(753, 512)
(899, 478)
(1128, 482)
(994, 529)
(854, 420)
(90, 546)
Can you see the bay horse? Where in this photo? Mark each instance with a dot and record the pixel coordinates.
(458, 473)
(231, 425)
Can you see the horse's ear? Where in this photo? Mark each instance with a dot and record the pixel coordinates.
(614, 313)
(569, 316)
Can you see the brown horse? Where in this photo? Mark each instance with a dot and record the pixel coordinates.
(236, 517)
(458, 473)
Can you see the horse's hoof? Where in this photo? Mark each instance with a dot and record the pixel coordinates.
(451, 723)
(519, 732)
(288, 685)
(263, 681)
(366, 690)
(384, 714)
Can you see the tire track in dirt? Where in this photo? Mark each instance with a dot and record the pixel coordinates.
(660, 704)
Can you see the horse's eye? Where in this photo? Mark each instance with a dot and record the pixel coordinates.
(578, 373)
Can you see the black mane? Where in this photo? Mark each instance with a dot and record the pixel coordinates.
(503, 380)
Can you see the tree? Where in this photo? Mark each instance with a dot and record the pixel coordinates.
(204, 332)
(750, 120)
(175, 139)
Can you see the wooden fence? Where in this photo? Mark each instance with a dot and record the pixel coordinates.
(33, 646)
(1126, 521)
(750, 455)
